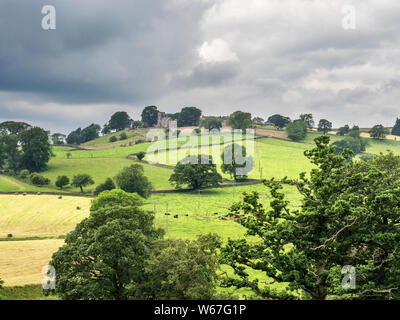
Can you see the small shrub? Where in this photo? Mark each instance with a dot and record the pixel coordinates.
(140, 141)
(24, 174)
(107, 185)
(38, 180)
(141, 155)
(113, 139)
(123, 136)
(62, 181)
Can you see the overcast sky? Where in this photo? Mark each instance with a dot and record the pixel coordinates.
(259, 56)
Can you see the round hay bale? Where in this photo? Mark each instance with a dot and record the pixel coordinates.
(78, 208)
(60, 197)
(9, 235)
(38, 193)
(24, 194)
(176, 216)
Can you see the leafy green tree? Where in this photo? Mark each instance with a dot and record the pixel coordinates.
(348, 216)
(279, 121)
(74, 137)
(235, 162)
(104, 258)
(58, 138)
(354, 132)
(343, 130)
(211, 123)
(38, 180)
(132, 179)
(107, 185)
(137, 124)
(119, 121)
(14, 127)
(297, 130)
(150, 116)
(36, 149)
(11, 152)
(90, 133)
(106, 129)
(357, 145)
(62, 181)
(189, 116)
(183, 269)
(115, 198)
(324, 126)
(240, 120)
(196, 171)
(123, 136)
(396, 128)
(378, 132)
(82, 180)
(141, 155)
(308, 119)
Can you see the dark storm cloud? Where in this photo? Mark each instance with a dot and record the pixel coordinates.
(274, 56)
(101, 51)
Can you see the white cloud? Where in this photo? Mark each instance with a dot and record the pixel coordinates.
(217, 51)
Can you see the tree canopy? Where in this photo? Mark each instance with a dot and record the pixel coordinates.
(132, 179)
(324, 126)
(104, 258)
(82, 180)
(278, 121)
(396, 128)
(196, 171)
(297, 130)
(211, 123)
(235, 161)
(119, 121)
(348, 220)
(150, 116)
(240, 120)
(378, 132)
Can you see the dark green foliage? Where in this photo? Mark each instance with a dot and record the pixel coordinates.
(378, 132)
(137, 124)
(240, 120)
(38, 180)
(113, 139)
(279, 121)
(235, 162)
(343, 130)
(115, 198)
(36, 149)
(150, 116)
(123, 136)
(297, 130)
(107, 185)
(396, 128)
(196, 171)
(183, 269)
(367, 157)
(24, 174)
(189, 116)
(14, 127)
(324, 126)
(357, 145)
(82, 180)
(211, 123)
(104, 258)
(84, 135)
(58, 138)
(62, 181)
(119, 121)
(349, 215)
(141, 155)
(106, 129)
(132, 179)
(355, 132)
(308, 119)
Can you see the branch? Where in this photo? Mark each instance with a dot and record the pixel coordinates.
(335, 235)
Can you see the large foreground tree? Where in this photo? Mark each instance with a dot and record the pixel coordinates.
(348, 219)
(104, 258)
